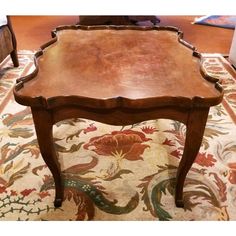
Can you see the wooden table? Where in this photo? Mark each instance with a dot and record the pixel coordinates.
(118, 75)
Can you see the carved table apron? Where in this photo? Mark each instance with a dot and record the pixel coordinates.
(118, 75)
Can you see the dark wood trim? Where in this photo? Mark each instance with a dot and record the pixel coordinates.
(121, 116)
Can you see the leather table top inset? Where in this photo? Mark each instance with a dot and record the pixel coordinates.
(105, 64)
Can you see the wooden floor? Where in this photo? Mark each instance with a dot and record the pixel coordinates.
(33, 31)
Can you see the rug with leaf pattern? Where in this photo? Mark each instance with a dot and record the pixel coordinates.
(114, 172)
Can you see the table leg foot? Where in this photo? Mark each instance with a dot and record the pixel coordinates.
(179, 203)
(57, 202)
(194, 133)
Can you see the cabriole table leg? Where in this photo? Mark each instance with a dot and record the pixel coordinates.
(194, 133)
(43, 126)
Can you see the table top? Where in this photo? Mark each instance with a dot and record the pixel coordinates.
(106, 67)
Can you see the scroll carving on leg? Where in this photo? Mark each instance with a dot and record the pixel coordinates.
(43, 126)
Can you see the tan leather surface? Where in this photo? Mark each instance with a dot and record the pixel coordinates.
(109, 63)
(6, 46)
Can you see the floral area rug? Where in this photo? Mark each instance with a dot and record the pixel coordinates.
(114, 172)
